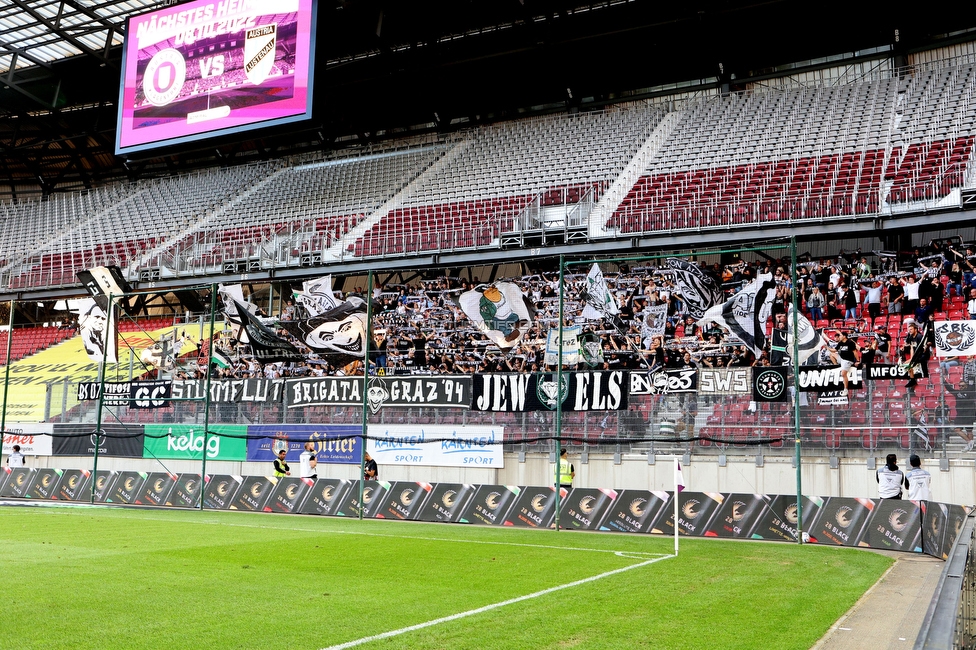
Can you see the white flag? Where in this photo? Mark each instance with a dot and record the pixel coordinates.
(745, 314)
(600, 303)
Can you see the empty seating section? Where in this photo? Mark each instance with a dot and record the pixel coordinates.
(119, 232)
(863, 148)
(305, 207)
(808, 154)
(481, 186)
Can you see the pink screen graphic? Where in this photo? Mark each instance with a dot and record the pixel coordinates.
(214, 66)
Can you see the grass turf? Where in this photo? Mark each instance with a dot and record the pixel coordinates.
(118, 578)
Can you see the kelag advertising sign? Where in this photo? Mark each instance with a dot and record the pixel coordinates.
(334, 443)
(186, 442)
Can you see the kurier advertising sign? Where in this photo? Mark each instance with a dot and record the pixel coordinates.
(186, 442)
(436, 445)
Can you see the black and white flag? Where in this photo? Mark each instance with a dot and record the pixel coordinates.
(808, 340)
(745, 314)
(339, 335)
(698, 289)
(266, 345)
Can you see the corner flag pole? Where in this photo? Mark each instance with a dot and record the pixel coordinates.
(677, 489)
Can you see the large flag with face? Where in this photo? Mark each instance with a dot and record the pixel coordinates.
(339, 334)
(98, 327)
(808, 340)
(745, 314)
(600, 302)
(698, 289)
(500, 311)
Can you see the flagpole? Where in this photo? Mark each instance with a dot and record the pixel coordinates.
(677, 472)
(559, 383)
(796, 390)
(368, 340)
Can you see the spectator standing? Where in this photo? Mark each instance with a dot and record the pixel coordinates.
(918, 480)
(281, 468)
(16, 459)
(890, 478)
(307, 462)
(566, 470)
(370, 471)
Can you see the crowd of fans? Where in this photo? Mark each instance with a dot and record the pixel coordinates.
(419, 328)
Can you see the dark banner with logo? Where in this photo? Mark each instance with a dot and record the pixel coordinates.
(45, 483)
(883, 371)
(584, 508)
(490, 504)
(156, 489)
(669, 380)
(231, 390)
(425, 391)
(535, 507)
(18, 482)
(220, 491)
(941, 525)
(80, 440)
(74, 485)
(724, 381)
(840, 520)
(328, 496)
(446, 502)
(769, 384)
(636, 511)
(334, 443)
(127, 487)
(895, 524)
(289, 494)
(695, 512)
(186, 491)
(404, 500)
(593, 390)
(125, 393)
(253, 494)
(150, 394)
(739, 515)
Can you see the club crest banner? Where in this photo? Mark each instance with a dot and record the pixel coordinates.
(955, 338)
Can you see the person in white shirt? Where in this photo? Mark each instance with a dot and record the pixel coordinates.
(890, 479)
(918, 480)
(308, 462)
(16, 459)
(972, 305)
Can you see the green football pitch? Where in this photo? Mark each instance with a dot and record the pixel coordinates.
(101, 577)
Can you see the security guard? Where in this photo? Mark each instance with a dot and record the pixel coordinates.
(280, 466)
(566, 471)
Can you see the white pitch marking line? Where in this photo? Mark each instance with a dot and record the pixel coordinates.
(637, 555)
(488, 608)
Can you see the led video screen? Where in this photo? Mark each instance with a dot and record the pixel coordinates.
(214, 67)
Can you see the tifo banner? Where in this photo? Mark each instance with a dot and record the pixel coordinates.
(334, 443)
(111, 440)
(828, 378)
(724, 381)
(135, 394)
(955, 338)
(593, 390)
(670, 380)
(436, 445)
(231, 390)
(33, 439)
(398, 391)
(187, 441)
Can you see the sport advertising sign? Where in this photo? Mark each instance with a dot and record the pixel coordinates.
(34, 439)
(404, 500)
(334, 443)
(44, 484)
(437, 445)
(446, 501)
(186, 442)
(739, 515)
(156, 489)
(490, 504)
(186, 491)
(18, 481)
(220, 490)
(535, 507)
(328, 496)
(636, 511)
(289, 494)
(584, 508)
(127, 487)
(253, 494)
(210, 67)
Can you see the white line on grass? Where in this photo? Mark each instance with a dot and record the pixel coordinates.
(213, 522)
(488, 608)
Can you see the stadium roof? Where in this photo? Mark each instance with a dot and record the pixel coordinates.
(388, 69)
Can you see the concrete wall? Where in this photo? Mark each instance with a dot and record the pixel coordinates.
(850, 478)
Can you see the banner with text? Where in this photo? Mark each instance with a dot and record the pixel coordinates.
(436, 445)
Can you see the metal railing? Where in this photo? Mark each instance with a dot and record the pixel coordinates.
(950, 621)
